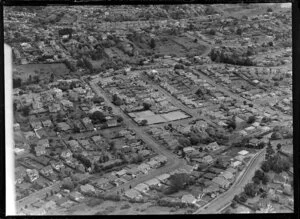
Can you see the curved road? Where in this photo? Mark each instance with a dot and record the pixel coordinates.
(225, 198)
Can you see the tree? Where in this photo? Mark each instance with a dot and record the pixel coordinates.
(117, 100)
(265, 179)
(269, 10)
(152, 43)
(98, 116)
(256, 180)
(76, 129)
(259, 174)
(120, 119)
(97, 99)
(25, 110)
(251, 119)
(144, 122)
(68, 185)
(279, 147)
(212, 32)
(195, 139)
(179, 181)
(239, 31)
(250, 190)
(276, 136)
(265, 166)
(51, 77)
(17, 82)
(231, 124)
(185, 142)
(146, 106)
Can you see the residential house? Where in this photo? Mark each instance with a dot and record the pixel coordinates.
(62, 126)
(66, 154)
(134, 172)
(54, 108)
(236, 164)
(97, 138)
(121, 173)
(211, 189)
(253, 142)
(207, 159)
(153, 182)
(36, 124)
(112, 123)
(145, 153)
(189, 199)
(86, 144)
(40, 150)
(188, 150)
(44, 143)
(87, 188)
(16, 127)
(223, 183)
(142, 187)
(287, 189)
(133, 194)
(49, 205)
(32, 174)
(196, 174)
(212, 146)
(74, 145)
(47, 123)
(209, 176)
(103, 183)
(47, 170)
(231, 170)
(153, 163)
(227, 175)
(279, 179)
(76, 196)
(161, 159)
(215, 170)
(239, 158)
(243, 152)
(57, 165)
(144, 168)
(20, 174)
(67, 104)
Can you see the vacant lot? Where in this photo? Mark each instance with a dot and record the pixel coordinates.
(44, 71)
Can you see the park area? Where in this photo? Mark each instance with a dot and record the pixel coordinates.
(43, 71)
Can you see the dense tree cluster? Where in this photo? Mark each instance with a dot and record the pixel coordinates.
(231, 56)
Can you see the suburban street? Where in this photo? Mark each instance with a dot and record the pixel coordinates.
(173, 161)
(236, 188)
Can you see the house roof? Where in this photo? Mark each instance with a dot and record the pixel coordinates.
(278, 178)
(243, 152)
(220, 181)
(132, 193)
(189, 198)
(163, 177)
(141, 187)
(152, 182)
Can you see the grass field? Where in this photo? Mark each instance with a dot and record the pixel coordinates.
(44, 71)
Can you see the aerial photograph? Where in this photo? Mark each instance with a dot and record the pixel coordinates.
(152, 109)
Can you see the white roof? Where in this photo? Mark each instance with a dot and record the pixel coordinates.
(243, 152)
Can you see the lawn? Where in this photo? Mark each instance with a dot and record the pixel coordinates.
(44, 71)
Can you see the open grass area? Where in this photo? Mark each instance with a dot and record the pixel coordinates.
(44, 71)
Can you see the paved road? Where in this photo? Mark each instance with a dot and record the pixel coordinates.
(222, 200)
(173, 161)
